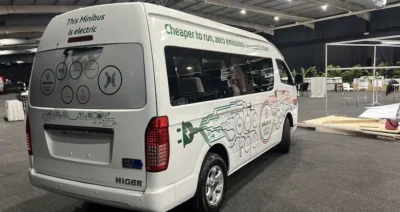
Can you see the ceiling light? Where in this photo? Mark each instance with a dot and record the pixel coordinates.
(189, 68)
(20, 61)
(324, 7)
(289, 0)
(276, 18)
(243, 11)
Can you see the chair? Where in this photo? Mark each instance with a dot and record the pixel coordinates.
(393, 94)
(298, 79)
(379, 83)
(338, 83)
(346, 87)
(304, 88)
(362, 86)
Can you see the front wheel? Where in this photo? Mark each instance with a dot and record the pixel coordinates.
(211, 188)
(284, 145)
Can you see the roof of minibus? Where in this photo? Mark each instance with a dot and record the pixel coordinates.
(55, 27)
(179, 15)
(186, 17)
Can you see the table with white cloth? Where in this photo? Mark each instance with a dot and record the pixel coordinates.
(318, 87)
(334, 83)
(309, 82)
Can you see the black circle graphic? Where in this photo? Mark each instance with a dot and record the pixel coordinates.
(62, 94)
(254, 140)
(77, 94)
(247, 144)
(98, 80)
(239, 125)
(63, 65)
(48, 73)
(80, 70)
(97, 69)
(247, 122)
(265, 115)
(255, 120)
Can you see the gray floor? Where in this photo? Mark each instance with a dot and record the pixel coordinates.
(323, 172)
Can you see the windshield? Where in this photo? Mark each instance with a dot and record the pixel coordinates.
(94, 77)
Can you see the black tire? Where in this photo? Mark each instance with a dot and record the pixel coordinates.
(284, 145)
(201, 204)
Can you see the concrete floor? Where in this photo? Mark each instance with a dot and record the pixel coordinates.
(323, 172)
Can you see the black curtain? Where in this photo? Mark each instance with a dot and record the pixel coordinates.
(348, 56)
(17, 72)
(314, 55)
(387, 54)
(330, 30)
(304, 56)
(304, 47)
(382, 20)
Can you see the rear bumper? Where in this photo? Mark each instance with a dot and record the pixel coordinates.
(158, 200)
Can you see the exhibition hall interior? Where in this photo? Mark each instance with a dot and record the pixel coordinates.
(199, 105)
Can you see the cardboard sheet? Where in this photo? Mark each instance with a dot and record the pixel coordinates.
(382, 112)
(349, 124)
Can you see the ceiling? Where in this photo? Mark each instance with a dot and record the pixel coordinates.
(23, 21)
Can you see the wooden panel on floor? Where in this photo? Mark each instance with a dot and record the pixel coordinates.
(336, 131)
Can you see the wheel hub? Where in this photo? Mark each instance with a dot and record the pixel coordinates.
(215, 185)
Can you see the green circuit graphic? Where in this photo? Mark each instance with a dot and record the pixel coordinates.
(236, 122)
(230, 121)
(188, 132)
(240, 124)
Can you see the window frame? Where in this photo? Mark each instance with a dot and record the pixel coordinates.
(287, 70)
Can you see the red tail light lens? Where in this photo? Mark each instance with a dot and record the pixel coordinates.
(28, 136)
(157, 144)
(80, 39)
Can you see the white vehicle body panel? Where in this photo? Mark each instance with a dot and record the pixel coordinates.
(92, 158)
(246, 126)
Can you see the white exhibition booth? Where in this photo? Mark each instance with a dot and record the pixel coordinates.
(381, 42)
(319, 85)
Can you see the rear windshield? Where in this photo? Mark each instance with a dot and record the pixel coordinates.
(91, 77)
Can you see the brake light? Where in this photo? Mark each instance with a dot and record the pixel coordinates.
(157, 144)
(80, 39)
(28, 136)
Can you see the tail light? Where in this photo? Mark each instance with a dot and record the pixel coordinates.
(157, 144)
(80, 39)
(28, 137)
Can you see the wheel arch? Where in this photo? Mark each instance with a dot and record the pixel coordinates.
(290, 117)
(221, 150)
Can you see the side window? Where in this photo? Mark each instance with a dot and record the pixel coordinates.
(261, 74)
(215, 76)
(187, 66)
(198, 76)
(284, 73)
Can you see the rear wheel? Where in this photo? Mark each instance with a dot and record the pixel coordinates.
(284, 145)
(211, 188)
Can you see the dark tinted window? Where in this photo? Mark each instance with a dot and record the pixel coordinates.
(197, 75)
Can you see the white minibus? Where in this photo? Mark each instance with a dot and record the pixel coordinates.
(139, 106)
